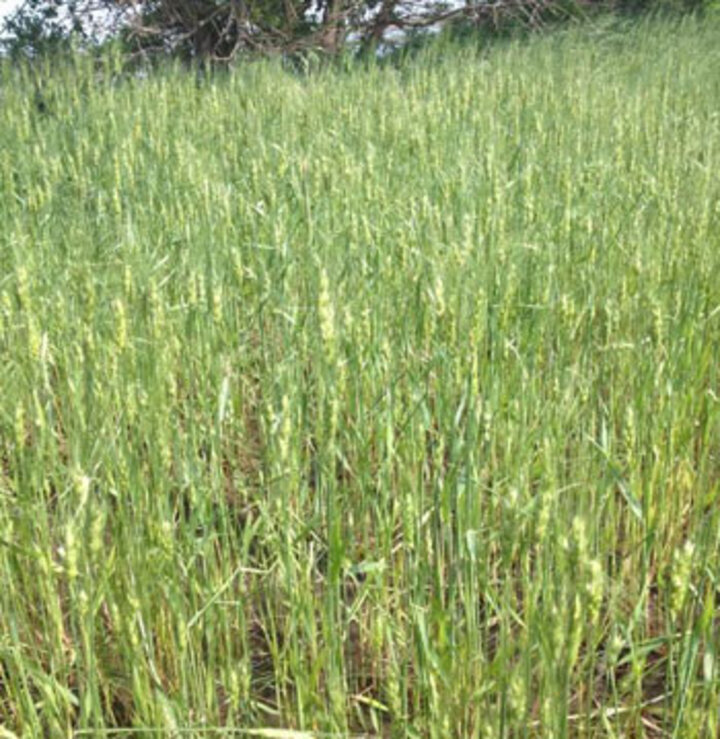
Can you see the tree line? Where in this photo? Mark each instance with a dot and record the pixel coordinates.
(222, 30)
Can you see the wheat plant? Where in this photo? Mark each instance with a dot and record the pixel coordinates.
(382, 400)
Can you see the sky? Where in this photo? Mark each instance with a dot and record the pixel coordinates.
(7, 6)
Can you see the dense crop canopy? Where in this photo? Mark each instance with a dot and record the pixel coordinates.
(385, 400)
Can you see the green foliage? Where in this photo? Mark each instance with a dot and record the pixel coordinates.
(188, 29)
(224, 30)
(389, 406)
(34, 28)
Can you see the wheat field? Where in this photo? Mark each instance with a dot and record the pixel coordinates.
(382, 400)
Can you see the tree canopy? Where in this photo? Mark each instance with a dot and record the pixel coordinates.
(220, 30)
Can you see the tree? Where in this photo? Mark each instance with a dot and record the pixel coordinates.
(217, 29)
(39, 26)
(221, 30)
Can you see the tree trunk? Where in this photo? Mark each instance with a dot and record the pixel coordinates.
(332, 35)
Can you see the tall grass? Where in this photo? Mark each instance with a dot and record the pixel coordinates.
(383, 401)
